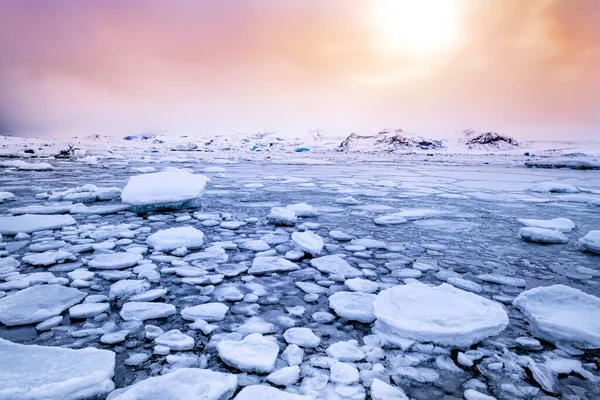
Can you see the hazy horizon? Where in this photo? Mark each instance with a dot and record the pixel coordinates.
(529, 69)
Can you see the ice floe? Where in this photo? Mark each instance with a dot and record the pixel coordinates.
(171, 189)
(54, 373)
(442, 314)
(29, 223)
(562, 313)
(37, 303)
(173, 238)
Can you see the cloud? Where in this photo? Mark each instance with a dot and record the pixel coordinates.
(527, 68)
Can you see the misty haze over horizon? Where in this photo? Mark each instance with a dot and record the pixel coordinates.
(530, 70)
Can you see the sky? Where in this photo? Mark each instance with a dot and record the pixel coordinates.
(527, 68)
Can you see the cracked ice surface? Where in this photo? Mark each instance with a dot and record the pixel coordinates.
(284, 305)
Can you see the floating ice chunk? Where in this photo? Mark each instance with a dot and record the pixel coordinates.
(559, 224)
(369, 243)
(255, 245)
(561, 313)
(340, 236)
(443, 315)
(262, 392)
(354, 306)
(541, 235)
(465, 284)
(254, 353)
(383, 391)
(208, 312)
(282, 216)
(472, 394)
(390, 219)
(173, 238)
(420, 213)
(37, 303)
(308, 242)
(345, 351)
(336, 266)
(503, 280)
(98, 209)
(88, 310)
(48, 258)
(175, 340)
(303, 337)
(171, 189)
(361, 285)
(554, 187)
(267, 265)
(303, 210)
(127, 288)
(41, 372)
(141, 311)
(47, 245)
(591, 242)
(149, 295)
(285, 376)
(115, 260)
(7, 196)
(344, 373)
(349, 200)
(181, 384)
(29, 223)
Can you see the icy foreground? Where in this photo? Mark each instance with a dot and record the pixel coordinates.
(336, 279)
(54, 373)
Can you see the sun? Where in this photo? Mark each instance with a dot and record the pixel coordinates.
(420, 27)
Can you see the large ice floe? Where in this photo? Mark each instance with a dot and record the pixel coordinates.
(181, 384)
(562, 313)
(173, 238)
(31, 372)
(441, 314)
(172, 189)
(29, 223)
(37, 303)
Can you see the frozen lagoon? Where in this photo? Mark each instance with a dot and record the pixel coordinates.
(474, 234)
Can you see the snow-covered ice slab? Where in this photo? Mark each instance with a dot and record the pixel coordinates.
(542, 235)
(172, 189)
(591, 242)
(253, 354)
(31, 372)
(37, 303)
(562, 313)
(181, 384)
(268, 265)
(141, 311)
(29, 223)
(442, 314)
(98, 209)
(121, 260)
(263, 392)
(558, 224)
(354, 306)
(308, 242)
(173, 238)
(335, 265)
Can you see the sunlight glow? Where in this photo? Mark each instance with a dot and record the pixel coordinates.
(419, 27)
